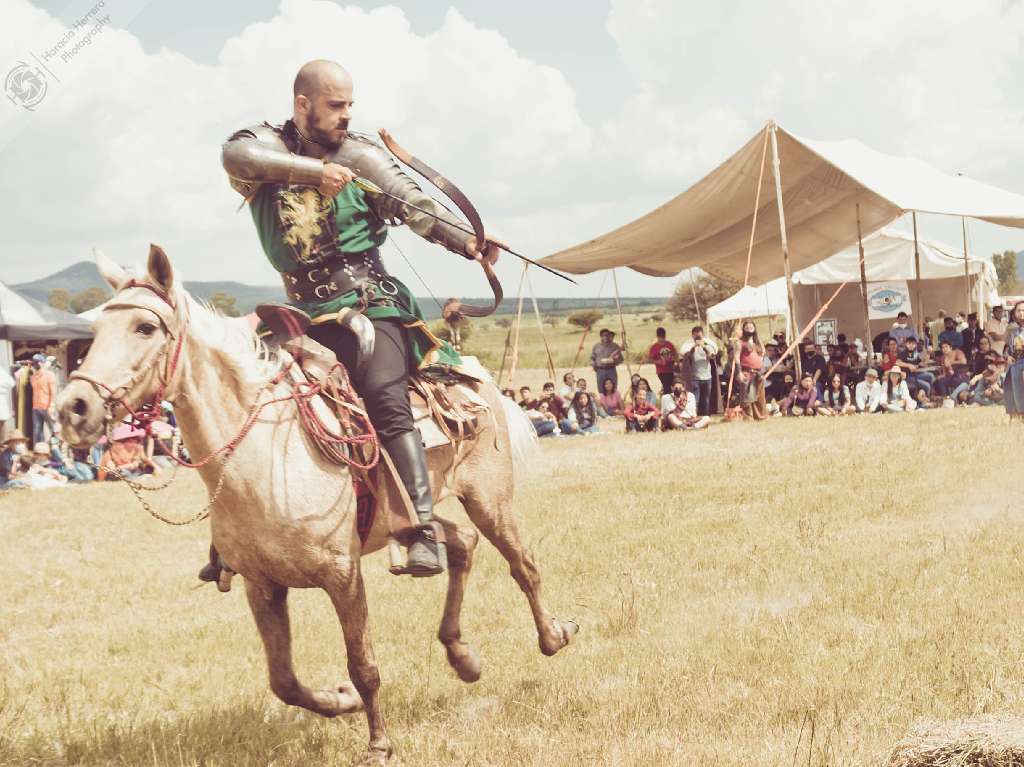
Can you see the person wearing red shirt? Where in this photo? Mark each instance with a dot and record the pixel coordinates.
(891, 355)
(641, 414)
(663, 354)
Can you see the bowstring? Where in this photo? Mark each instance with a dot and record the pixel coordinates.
(419, 277)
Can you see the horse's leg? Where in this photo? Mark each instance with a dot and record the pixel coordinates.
(489, 507)
(349, 599)
(269, 607)
(461, 656)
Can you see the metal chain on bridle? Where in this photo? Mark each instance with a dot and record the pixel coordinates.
(337, 446)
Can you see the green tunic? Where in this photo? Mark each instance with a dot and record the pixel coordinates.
(291, 220)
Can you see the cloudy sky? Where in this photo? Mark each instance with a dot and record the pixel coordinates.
(561, 120)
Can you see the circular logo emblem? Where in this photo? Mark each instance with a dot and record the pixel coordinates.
(25, 85)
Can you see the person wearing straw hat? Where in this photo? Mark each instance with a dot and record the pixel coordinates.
(41, 474)
(11, 450)
(896, 394)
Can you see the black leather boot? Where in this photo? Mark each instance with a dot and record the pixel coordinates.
(427, 555)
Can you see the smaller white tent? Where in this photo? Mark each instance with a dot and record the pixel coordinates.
(769, 299)
(24, 319)
(888, 256)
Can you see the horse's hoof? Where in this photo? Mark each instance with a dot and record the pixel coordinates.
(561, 635)
(466, 664)
(376, 757)
(349, 699)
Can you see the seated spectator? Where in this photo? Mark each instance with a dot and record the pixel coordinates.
(853, 356)
(544, 422)
(951, 335)
(679, 410)
(836, 400)
(526, 399)
(73, 464)
(867, 395)
(987, 386)
(583, 414)
(972, 333)
(890, 355)
(14, 447)
(161, 444)
(803, 398)
(984, 356)
(896, 394)
(610, 399)
(953, 381)
(558, 408)
(911, 361)
(641, 413)
(814, 363)
(125, 456)
(838, 363)
(995, 329)
(40, 474)
(568, 388)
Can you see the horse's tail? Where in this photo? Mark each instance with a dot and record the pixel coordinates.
(522, 436)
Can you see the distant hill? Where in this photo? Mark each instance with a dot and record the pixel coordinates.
(84, 275)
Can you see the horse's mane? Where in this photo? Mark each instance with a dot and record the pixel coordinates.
(232, 339)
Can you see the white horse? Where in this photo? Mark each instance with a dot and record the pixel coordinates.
(283, 517)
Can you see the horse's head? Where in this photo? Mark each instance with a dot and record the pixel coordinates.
(135, 356)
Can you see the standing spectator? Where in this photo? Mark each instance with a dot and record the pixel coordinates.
(663, 354)
(6, 400)
(700, 368)
(641, 414)
(961, 322)
(902, 330)
(868, 393)
(951, 335)
(604, 357)
(679, 408)
(836, 400)
(896, 396)
(912, 362)
(44, 391)
(971, 334)
(1013, 384)
(803, 398)
(11, 451)
(814, 363)
(935, 328)
(995, 329)
(748, 351)
(610, 399)
(583, 414)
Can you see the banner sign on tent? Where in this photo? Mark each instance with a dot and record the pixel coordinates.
(887, 299)
(825, 332)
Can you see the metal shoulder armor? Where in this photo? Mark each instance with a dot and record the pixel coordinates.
(256, 155)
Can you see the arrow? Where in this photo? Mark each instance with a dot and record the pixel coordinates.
(371, 188)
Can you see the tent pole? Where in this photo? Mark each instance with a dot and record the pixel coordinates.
(919, 311)
(622, 324)
(864, 293)
(696, 305)
(540, 325)
(967, 267)
(518, 326)
(776, 171)
(508, 337)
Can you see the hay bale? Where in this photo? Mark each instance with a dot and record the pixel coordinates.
(978, 742)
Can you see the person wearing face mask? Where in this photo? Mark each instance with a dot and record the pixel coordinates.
(902, 330)
(13, 448)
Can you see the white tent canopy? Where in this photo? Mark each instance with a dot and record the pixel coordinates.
(888, 256)
(708, 225)
(768, 299)
(23, 319)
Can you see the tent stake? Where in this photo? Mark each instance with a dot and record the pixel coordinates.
(776, 171)
(622, 324)
(868, 345)
(919, 310)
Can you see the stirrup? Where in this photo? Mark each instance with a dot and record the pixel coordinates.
(434, 534)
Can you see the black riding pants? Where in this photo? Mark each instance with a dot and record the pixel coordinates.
(385, 388)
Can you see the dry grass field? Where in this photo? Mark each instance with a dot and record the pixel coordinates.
(795, 592)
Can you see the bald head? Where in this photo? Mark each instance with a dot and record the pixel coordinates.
(323, 102)
(319, 75)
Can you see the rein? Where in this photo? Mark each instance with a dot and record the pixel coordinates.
(339, 446)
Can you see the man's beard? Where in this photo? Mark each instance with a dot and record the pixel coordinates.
(326, 135)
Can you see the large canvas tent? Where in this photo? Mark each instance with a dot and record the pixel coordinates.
(824, 185)
(888, 257)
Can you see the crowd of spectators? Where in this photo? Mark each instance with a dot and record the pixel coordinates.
(955, 362)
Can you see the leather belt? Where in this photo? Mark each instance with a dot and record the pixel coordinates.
(337, 276)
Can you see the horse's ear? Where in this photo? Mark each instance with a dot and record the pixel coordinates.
(159, 268)
(115, 275)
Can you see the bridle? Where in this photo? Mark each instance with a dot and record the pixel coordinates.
(170, 354)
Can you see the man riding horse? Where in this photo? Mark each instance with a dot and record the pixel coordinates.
(322, 230)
